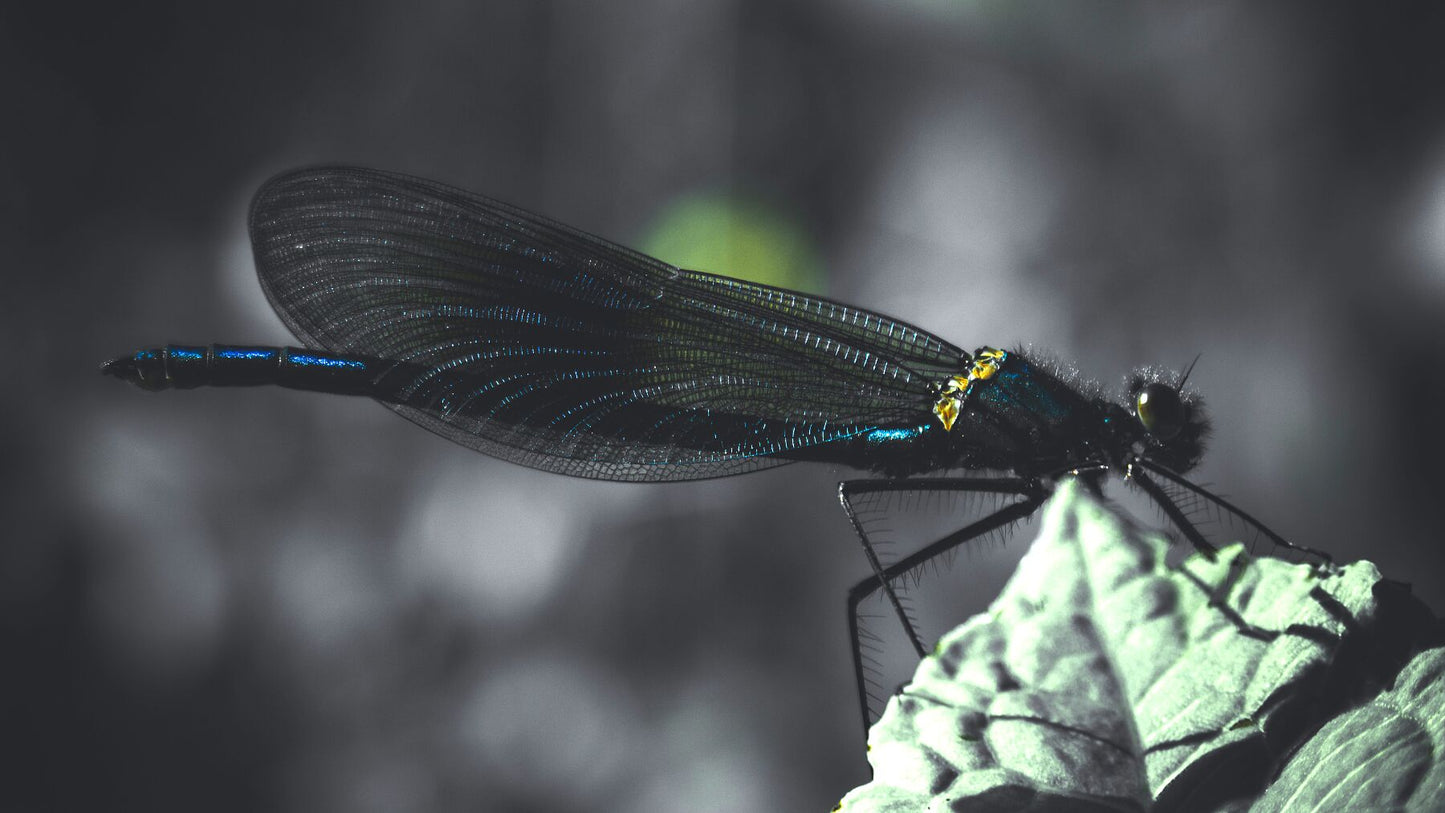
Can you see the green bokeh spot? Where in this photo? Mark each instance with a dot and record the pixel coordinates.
(737, 237)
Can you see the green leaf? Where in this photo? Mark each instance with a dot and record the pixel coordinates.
(738, 236)
(1103, 679)
(1384, 755)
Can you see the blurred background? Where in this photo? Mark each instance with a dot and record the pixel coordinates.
(272, 600)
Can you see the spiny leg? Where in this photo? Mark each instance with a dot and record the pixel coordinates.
(1172, 511)
(1228, 506)
(1033, 494)
(1219, 594)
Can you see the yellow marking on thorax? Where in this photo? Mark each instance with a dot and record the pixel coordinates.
(953, 393)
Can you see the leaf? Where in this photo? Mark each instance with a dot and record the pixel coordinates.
(1103, 679)
(1384, 755)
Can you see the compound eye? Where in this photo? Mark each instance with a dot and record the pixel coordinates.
(1160, 410)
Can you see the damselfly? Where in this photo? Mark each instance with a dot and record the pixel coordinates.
(546, 346)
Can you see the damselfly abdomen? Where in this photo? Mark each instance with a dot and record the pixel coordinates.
(540, 344)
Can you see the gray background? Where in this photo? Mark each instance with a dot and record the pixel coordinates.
(272, 600)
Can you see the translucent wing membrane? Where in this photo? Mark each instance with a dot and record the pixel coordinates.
(537, 343)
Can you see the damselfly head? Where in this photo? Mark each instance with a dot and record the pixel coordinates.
(1173, 419)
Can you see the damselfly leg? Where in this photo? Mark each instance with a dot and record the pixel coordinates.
(1171, 508)
(1031, 494)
